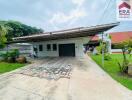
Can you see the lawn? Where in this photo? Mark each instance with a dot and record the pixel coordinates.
(6, 67)
(112, 68)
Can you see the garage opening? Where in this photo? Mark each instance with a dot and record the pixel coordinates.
(67, 50)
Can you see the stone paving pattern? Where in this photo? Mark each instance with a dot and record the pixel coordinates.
(50, 70)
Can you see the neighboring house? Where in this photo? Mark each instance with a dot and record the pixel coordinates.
(24, 48)
(63, 43)
(116, 38)
(94, 41)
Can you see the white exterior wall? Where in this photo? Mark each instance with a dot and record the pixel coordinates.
(77, 41)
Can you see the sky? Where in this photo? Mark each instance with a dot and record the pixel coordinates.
(53, 15)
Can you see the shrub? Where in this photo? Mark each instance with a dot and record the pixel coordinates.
(126, 47)
(4, 56)
(21, 59)
(123, 66)
(107, 56)
(10, 56)
(100, 47)
(11, 60)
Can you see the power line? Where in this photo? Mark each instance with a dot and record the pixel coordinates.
(111, 13)
(104, 12)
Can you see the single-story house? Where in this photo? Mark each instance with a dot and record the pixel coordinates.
(68, 42)
(94, 41)
(116, 38)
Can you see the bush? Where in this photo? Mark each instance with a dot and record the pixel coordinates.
(100, 47)
(123, 66)
(4, 56)
(107, 56)
(126, 48)
(10, 56)
(21, 59)
(11, 60)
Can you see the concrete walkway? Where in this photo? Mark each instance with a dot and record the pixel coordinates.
(82, 79)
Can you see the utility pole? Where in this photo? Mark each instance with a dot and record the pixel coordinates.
(102, 49)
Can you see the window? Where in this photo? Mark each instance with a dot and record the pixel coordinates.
(40, 47)
(48, 47)
(54, 47)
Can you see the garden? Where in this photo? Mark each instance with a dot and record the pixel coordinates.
(118, 66)
(113, 69)
(11, 60)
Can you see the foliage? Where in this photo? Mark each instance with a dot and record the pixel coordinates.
(111, 67)
(100, 47)
(11, 56)
(126, 47)
(107, 56)
(3, 33)
(16, 29)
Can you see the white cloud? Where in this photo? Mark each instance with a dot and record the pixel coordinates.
(63, 18)
(72, 16)
(78, 2)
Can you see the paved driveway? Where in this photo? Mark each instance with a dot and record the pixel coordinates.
(61, 79)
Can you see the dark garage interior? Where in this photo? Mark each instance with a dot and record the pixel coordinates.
(66, 50)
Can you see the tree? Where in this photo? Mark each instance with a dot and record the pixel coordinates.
(126, 47)
(17, 29)
(3, 33)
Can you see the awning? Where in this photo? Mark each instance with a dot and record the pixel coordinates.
(65, 34)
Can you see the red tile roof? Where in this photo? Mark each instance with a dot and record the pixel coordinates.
(118, 37)
(95, 38)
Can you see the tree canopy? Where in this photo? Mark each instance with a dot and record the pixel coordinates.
(3, 33)
(16, 29)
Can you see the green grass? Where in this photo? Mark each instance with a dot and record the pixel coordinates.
(112, 68)
(6, 67)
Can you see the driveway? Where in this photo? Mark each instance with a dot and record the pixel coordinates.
(61, 79)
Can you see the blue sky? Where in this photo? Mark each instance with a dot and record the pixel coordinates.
(61, 14)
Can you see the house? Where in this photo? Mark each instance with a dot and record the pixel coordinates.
(61, 43)
(24, 48)
(94, 41)
(116, 38)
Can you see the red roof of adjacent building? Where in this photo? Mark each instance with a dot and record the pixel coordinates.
(95, 38)
(118, 37)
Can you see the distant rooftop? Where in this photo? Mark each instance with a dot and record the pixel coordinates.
(118, 37)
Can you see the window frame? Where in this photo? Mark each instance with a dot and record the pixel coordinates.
(54, 47)
(48, 48)
(40, 47)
